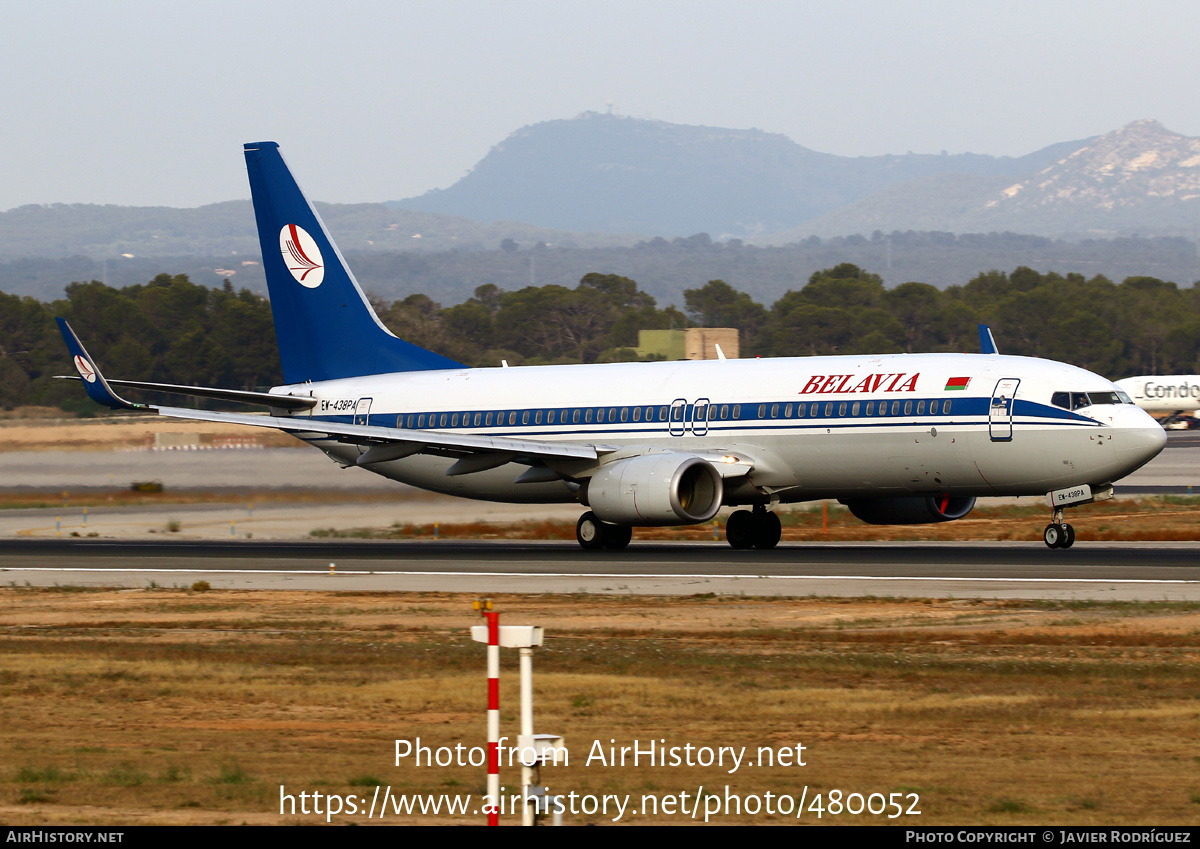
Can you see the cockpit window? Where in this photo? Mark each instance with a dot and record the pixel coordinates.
(1077, 400)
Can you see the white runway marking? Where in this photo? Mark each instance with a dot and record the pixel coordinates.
(600, 575)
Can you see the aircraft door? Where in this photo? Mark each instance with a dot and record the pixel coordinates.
(677, 424)
(1000, 411)
(362, 411)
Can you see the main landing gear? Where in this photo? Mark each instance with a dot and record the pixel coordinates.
(1058, 534)
(594, 534)
(753, 529)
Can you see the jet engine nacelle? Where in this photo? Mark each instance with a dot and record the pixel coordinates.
(913, 510)
(656, 489)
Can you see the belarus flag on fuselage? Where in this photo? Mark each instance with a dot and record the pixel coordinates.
(957, 384)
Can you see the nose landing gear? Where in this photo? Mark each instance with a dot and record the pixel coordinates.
(1058, 534)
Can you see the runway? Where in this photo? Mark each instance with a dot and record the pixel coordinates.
(279, 556)
(1106, 571)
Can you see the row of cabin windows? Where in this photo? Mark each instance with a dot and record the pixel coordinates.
(701, 411)
(841, 409)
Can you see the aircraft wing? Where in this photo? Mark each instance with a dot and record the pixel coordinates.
(384, 443)
(476, 453)
(391, 443)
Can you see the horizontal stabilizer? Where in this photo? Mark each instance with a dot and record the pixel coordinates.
(265, 399)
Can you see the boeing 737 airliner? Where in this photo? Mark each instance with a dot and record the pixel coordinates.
(897, 438)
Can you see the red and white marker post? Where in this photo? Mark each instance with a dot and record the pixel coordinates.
(493, 708)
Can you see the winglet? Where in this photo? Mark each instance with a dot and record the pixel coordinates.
(987, 344)
(93, 381)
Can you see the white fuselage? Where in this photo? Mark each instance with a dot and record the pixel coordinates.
(957, 424)
(1168, 393)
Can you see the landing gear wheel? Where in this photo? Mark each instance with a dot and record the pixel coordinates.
(590, 532)
(739, 530)
(1068, 537)
(1054, 536)
(617, 537)
(767, 529)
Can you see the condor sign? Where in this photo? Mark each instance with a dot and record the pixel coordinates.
(1172, 393)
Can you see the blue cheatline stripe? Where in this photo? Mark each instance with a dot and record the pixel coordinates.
(964, 412)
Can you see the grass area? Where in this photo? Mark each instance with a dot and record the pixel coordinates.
(124, 497)
(1158, 518)
(175, 706)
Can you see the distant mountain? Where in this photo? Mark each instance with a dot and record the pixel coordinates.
(227, 229)
(1140, 179)
(616, 174)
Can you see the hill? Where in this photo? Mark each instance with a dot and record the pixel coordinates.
(616, 174)
(1141, 178)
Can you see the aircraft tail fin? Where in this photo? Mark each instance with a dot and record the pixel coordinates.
(324, 324)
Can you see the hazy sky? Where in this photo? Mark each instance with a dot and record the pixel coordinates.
(148, 103)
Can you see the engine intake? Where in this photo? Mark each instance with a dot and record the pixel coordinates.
(656, 489)
(912, 510)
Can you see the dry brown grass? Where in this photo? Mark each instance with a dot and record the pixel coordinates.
(122, 431)
(1165, 518)
(172, 706)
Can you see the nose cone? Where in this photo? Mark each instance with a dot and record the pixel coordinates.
(1137, 437)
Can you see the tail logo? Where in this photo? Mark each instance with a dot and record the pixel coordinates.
(301, 256)
(85, 369)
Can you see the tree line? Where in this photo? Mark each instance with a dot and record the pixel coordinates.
(174, 331)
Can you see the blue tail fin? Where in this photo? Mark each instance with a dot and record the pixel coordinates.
(325, 327)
